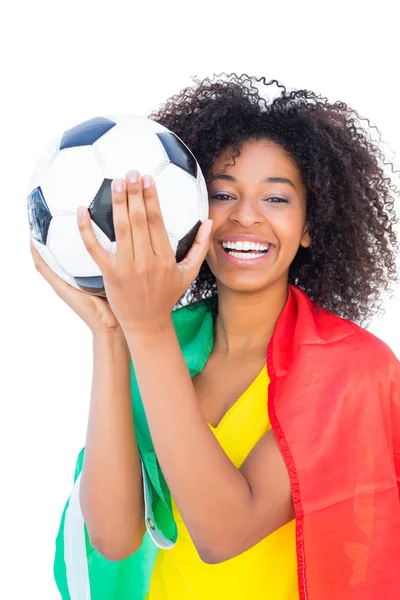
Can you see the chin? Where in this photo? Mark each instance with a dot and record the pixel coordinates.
(237, 280)
(245, 284)
(249, 279)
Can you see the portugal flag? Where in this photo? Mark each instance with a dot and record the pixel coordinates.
(334, 406)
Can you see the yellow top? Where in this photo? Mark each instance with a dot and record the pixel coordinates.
(266, 571)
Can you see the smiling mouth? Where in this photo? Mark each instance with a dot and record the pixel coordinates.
(249, 257)
(249, 254)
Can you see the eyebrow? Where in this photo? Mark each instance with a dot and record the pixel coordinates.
(265, 180)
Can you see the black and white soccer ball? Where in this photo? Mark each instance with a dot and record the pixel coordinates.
(78, 168)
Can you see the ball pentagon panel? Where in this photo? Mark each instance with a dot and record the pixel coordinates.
(39, 216)
(86, 133)
(178, 153)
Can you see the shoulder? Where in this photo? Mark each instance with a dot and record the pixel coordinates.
(343, 339)
(358, 362)
(351, 341)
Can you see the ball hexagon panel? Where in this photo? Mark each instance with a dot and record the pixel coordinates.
(42, 165)
(173, 241)
(203, 197)
(52, 262)
(93, 285)
(129, 146)
(65, 243)
(86, 133)
(73, 179)
(177, 188)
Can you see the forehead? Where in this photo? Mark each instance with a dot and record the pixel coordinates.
(258, 158)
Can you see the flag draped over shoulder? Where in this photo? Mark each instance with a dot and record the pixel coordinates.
(334, 406)
(335, 410)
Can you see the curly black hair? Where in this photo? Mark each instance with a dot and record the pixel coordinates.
(350, 200)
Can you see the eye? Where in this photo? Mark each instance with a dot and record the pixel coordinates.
(219, 197)
(277, 199)
(274, 199)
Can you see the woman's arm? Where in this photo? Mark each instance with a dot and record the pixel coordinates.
(111, 492)
(219, 504)
(226, 510)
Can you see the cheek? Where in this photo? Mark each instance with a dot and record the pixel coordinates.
(218, 214)
(216, 210)
(288, 228)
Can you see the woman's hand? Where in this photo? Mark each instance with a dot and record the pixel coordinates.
(93, 310)
(142, 280)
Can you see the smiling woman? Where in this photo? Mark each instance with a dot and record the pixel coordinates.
(334, 162)
(264, 201)
(267, 419)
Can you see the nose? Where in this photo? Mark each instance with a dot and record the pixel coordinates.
(247, 213)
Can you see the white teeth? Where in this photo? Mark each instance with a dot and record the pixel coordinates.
(245, 246)
(247, 256)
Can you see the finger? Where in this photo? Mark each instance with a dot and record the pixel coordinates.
(122, 226)
(92, 244)
(158, 234)
(197, 253)
(137, 217)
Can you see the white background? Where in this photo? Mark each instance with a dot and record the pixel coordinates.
(64, 62)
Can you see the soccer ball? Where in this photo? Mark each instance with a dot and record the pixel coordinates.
(78, 168)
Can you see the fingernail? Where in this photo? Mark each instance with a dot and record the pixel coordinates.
(133, 176)
(147, 181)
(118, 185)
(81, 212)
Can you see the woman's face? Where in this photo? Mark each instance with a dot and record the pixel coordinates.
(248, 204)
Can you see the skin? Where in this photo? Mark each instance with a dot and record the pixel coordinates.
(226, 510)
(249, 299)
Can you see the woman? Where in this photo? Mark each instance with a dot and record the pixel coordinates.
(266, 420)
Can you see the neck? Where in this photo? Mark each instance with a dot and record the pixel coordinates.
(245, 322)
